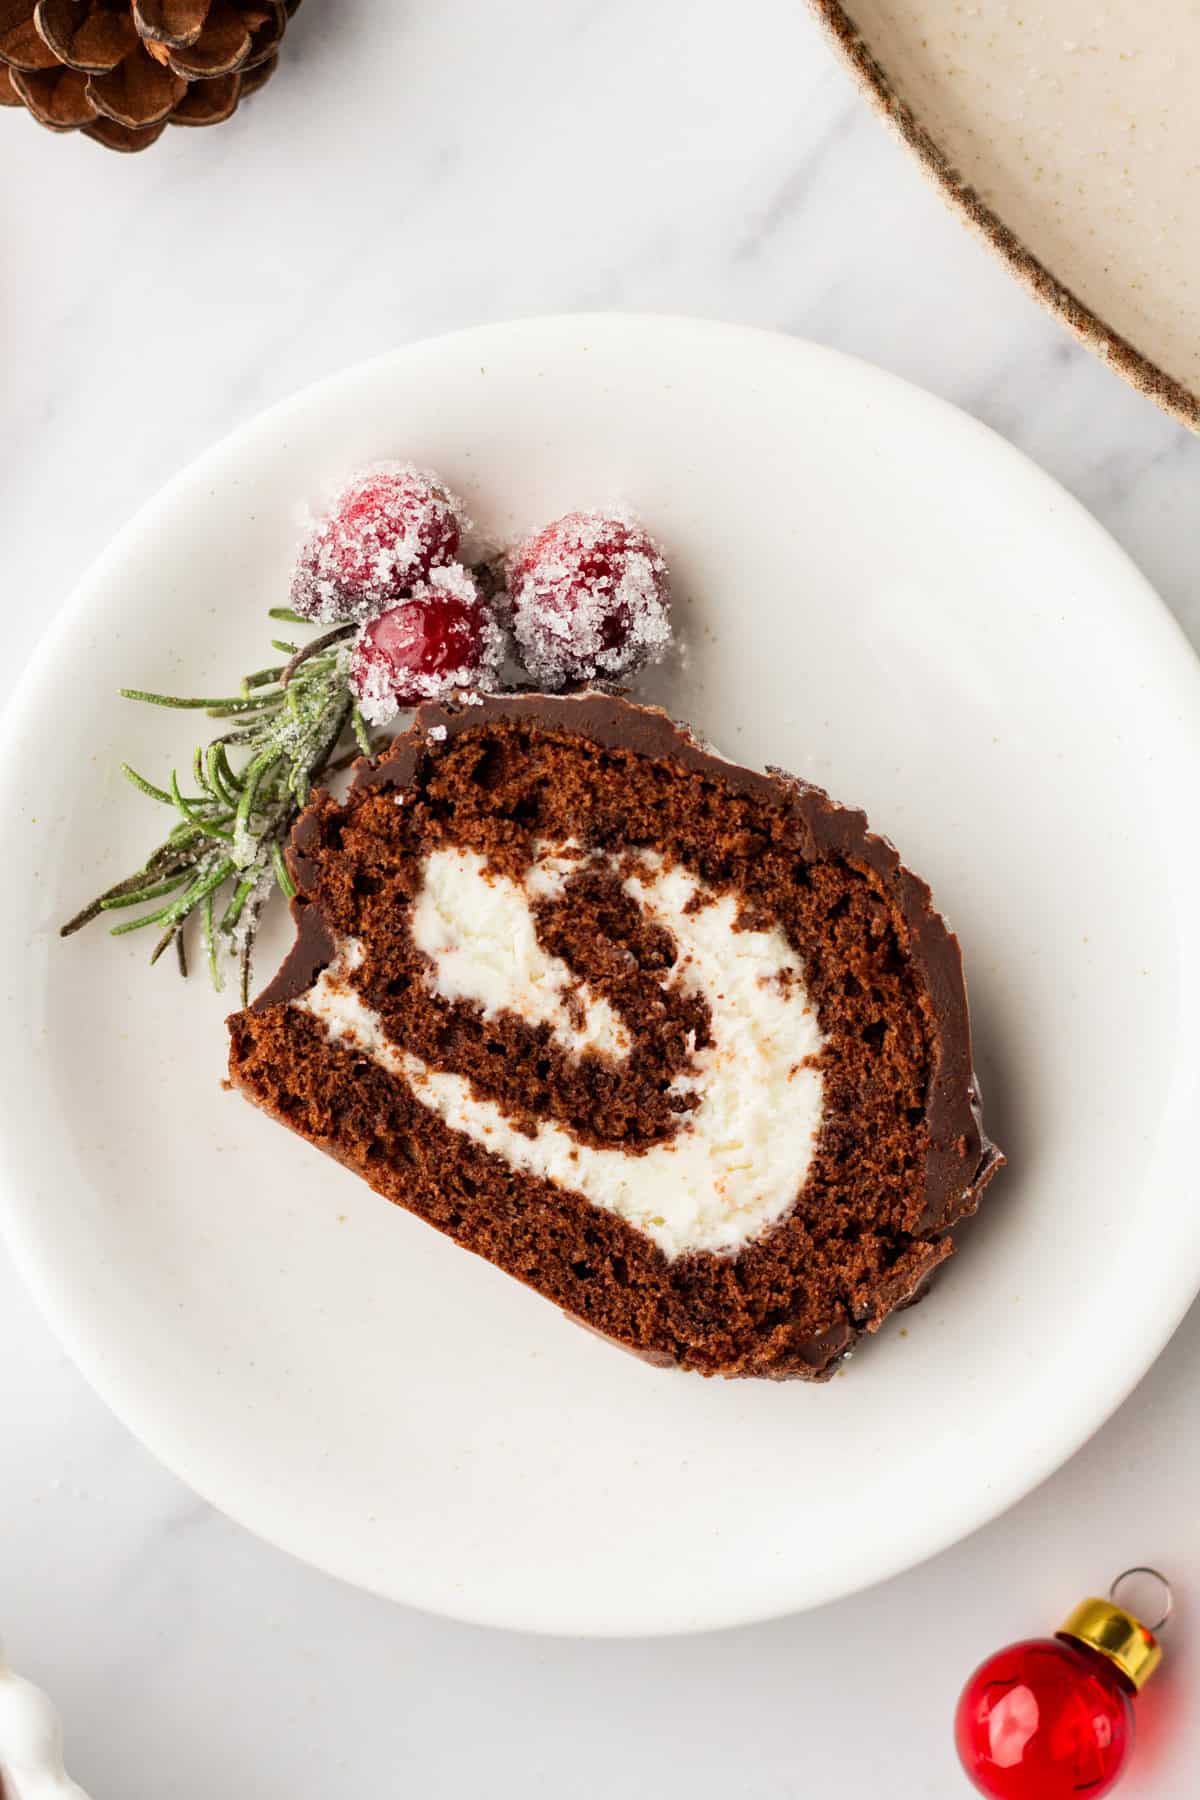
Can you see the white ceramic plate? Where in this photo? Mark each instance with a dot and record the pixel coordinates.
(879, 594)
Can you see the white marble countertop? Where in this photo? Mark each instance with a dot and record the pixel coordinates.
(412, 169)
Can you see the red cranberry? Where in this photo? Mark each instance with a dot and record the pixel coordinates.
(589, 597)
(387, 531)
(440, 640)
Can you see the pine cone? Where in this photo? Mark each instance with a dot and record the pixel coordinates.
(121, 70)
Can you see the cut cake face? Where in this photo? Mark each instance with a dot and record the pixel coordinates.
(681, 1046)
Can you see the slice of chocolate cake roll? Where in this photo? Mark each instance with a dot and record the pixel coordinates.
(680, 1045)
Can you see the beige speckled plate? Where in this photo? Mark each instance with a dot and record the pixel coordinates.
(1065, 131)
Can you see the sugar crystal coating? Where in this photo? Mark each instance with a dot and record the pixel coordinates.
(589, 598)
(387, 531)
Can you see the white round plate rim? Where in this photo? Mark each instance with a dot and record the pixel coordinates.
(1151, 1316)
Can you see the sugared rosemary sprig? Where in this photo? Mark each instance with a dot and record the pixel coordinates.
(223, 858)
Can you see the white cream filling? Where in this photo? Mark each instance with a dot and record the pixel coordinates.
(480, 935)
(739, 1157)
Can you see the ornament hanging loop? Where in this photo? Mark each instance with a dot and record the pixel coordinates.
(1151, 1582)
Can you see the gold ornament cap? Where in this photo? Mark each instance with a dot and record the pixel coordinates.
(1128, 1644)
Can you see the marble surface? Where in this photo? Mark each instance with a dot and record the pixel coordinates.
(413, 169)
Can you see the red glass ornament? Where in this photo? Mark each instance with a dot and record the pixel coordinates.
(1045, 1720)
(1052, 1718)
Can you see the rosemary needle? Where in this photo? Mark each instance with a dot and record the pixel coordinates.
(296, 722)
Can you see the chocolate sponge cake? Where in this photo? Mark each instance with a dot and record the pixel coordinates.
(680, 1045)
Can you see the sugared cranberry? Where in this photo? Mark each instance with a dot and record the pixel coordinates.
(440, 640)
(589, 597)
(387, 531)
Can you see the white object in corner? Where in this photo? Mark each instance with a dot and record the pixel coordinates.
(31, 1763)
